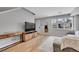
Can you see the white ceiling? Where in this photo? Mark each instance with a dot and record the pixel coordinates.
(44, 11)
(6, 8)
(49, 11)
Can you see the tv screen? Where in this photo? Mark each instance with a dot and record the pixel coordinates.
(29, 26)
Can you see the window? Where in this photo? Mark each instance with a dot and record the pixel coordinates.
(62, 23)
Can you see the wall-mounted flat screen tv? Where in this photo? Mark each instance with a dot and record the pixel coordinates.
(29, 26)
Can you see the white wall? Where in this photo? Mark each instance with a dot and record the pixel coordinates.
(41, 23)
(75, 13)
(76, 22)
(14, 21)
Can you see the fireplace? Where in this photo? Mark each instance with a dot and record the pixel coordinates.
(46, 28)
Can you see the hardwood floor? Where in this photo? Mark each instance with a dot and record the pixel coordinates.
(27, 46)
(46, 45)
(39, 44)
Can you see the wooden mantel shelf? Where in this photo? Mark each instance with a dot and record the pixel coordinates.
(10, 35)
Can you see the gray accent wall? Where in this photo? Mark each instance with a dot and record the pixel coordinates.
(14, 21)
